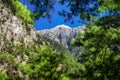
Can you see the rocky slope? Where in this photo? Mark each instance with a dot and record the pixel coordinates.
(24, 55)
(61, 33)
(14, 29)
(15, 36)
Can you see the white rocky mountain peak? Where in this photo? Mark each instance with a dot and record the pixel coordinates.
(61, 33)
(62, 26)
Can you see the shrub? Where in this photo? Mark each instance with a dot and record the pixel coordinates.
(21, 11)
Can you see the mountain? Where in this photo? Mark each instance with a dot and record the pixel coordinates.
(25, 55)
(14, 31)
(61, 33)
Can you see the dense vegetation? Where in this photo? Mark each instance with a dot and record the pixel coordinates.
(57, 46)
(101, 56)
(100, 42)
(20, 10)
(36, 62)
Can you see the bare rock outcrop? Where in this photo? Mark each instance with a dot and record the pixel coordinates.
(61, 33)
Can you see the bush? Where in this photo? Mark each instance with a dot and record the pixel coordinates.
(21, 11)
(101, 57)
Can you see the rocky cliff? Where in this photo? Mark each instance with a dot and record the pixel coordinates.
(62, 34)
(13, 29)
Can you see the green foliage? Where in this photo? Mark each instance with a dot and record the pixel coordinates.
(101, 57)
(56, 46)
(45, 64)
(9, 71)
(21, 11)
(109, 21)
(3, 76)
(98, 61)
(35, 62)
(43, 8)
(42, 64)
(115, 4)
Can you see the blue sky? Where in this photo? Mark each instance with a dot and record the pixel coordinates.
(43, 23)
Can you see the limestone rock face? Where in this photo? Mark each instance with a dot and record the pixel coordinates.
(61, 33)
(13, 29)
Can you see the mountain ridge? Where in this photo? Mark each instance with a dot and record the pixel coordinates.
(61, 33)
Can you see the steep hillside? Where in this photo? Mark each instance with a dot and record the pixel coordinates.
(56, 46)
(13, 29)
(24, 55)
